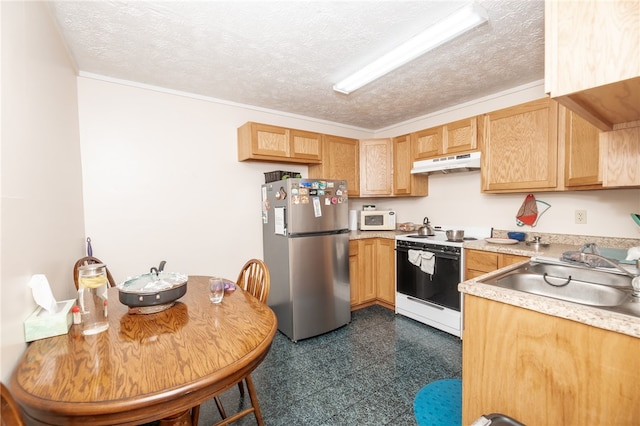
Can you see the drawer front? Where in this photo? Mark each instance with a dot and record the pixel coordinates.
(481, 261)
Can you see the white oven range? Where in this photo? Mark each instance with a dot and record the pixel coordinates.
(428, 271)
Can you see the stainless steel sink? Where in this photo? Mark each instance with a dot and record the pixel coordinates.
(575, 284)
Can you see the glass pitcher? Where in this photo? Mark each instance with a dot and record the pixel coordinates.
(92, 298)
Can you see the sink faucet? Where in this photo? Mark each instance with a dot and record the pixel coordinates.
(594, 259)
(590, 246)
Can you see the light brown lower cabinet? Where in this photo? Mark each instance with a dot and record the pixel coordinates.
(545, 370)
(363, 285)
(372, 272)
(478, 262)
(386, 271)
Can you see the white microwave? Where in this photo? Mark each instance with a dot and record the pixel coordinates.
(377, 220)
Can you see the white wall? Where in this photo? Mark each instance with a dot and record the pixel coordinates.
(455, 199)
(162, 180)
(42, 219)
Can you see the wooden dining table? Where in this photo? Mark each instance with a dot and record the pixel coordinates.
(145, 367)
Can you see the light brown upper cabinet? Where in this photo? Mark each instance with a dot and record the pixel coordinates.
(460, 136)
(385, 169)
(520, 148)
(452, 138)
(623, 157)
(376, 167)
(272, 143)
(582, 157)
(592, 63)
(404, 183)
(428, 143)
(340, 160)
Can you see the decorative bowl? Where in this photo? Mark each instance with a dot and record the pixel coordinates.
(520, 236)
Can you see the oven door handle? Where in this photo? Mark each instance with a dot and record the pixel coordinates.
(424, 302)
(452, 256)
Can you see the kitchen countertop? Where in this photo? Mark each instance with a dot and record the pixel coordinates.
(391, 235)
(521, 249)
(558, 243)
(625, 324)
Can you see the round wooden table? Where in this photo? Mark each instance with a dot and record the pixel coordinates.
(144, 367)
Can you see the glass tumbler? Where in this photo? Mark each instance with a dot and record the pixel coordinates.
(92, 298)
(216, 289)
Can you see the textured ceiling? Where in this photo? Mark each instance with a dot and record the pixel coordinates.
(286, 56)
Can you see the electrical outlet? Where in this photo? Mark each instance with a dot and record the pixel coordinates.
(581, 216)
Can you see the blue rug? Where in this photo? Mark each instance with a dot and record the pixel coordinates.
(439, 403)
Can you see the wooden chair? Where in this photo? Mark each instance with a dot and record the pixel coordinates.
(90, 260)
(11, 414)
(254, 278)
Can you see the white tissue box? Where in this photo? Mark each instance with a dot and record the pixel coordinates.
(41, 324)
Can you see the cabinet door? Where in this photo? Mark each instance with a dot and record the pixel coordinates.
(506, 259)
(261, 141)
(515, 359)
(582, 165)
(592, 64)
(386, 270)
(591, 44)
(367, 260)
(460, 136)
(375, 167)
(340, 160)
(269, 140)
(404, 183)
(306, 145)
(520, 148)
(427, 143)
(478, 262)
(622, 157)
(354, 272)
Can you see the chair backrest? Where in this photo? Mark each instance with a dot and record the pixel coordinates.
(254, 278)
(11, 414)
(89, 260)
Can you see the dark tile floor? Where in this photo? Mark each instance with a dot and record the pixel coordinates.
(365, 373)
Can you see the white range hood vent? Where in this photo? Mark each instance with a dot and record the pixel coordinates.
(450, 164)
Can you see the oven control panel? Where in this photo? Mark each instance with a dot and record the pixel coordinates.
(419, 245)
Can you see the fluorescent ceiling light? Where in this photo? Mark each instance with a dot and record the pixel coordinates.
(447, 29)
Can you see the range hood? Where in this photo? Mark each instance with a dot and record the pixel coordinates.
(449, 164)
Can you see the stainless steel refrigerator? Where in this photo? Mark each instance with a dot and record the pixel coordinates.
(306, 247)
